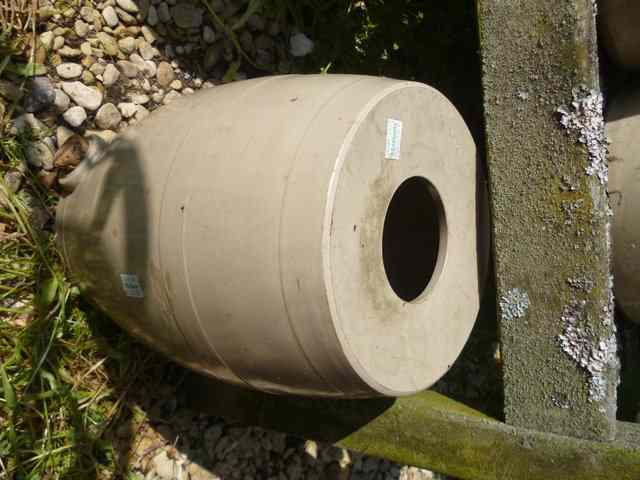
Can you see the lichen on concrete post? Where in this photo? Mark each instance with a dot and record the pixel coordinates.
(546, 154)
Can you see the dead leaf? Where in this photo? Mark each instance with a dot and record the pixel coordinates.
(71, 153)
(48, 179)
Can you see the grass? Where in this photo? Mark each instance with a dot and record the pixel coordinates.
(65, 370)
(62, 369)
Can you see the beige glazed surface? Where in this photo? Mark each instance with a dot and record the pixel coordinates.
(623, 129)
(314, 235)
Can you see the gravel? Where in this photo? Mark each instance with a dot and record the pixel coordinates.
(196, 447)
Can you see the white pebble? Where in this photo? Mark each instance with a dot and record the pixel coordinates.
(152, 16)
(75, 116)
(108, 117)
(69, 70)
(170, 97)
(58, 43)
(128, 5)
(81, 28)
(138, 98)
(62, 135)
(46, 39)
(127, 44)
(148, 34)
(110, 16)
(208, 35)
(127, 109)
(300, 45)
(62, 101)
(110, 75)
(87, 97)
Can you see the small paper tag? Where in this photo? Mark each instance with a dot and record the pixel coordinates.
(131, 285)
(394, 139)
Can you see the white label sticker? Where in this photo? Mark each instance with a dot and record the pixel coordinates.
(394, 139)
(131, 285)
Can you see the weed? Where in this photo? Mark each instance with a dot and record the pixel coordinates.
(62, 380)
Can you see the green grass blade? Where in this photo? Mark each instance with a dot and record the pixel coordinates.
(7, 389)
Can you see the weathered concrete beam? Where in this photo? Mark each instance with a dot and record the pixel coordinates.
(546, 156)
(429, 431)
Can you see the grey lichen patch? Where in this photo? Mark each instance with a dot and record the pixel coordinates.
(609, 308)
(561, 400)
(584, 117)
(581, 283)
(514, 304)
(570, 209)
(596, 356)
(569, 184)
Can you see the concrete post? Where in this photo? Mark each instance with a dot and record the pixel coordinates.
(548, 176)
